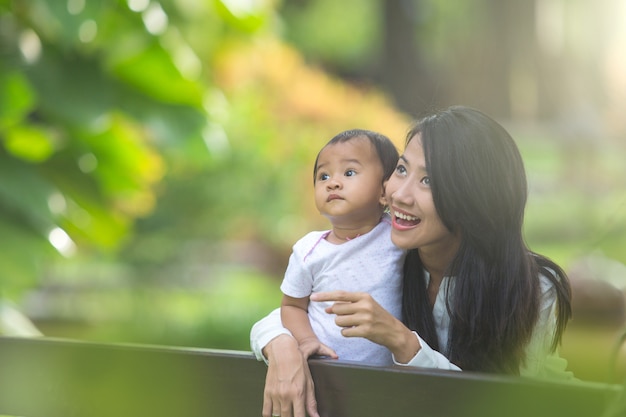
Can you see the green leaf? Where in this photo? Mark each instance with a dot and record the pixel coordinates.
(72, 89)
(126, 166)
(246, 16)
(21, 253)
(16, 98)
(90, 216)
(24, 195)
(152, 72)
(30, 143)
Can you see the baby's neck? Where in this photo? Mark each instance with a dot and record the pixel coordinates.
(339, 235)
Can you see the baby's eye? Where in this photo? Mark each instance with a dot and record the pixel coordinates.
(350, 173)
(323, 177)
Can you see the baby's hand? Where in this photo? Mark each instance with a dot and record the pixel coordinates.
(313, 347)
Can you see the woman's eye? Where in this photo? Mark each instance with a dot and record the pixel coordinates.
(425, 181)
(401, 169)
(350, 173)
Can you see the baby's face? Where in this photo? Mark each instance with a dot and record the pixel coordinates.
(348, 184)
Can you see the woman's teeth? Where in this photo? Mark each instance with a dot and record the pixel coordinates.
(405, 217)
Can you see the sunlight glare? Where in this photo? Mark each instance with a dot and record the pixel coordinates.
(57, 203)
(185, 58)
(242, 8)
(550, 18)
(75, 7)
(216, 140)
(62, 242)
(155, 19)
(30, 46)
(87, 163)
(88, 31)
(138, 5)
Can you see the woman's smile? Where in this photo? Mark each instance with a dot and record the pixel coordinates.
(404, 221)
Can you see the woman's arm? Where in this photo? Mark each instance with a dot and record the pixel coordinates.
(265, 330)
(289, 389)
(428, 357)
(361, 316)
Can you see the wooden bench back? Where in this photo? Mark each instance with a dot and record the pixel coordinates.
(61, 378)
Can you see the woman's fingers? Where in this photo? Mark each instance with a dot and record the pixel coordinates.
(346, 303)
(271, 402)
(310, 401)
(287, 383)
(341, 296)
(358, 314)
(267, 404)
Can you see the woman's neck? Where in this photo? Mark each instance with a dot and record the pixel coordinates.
(437, 267)
(437, 260)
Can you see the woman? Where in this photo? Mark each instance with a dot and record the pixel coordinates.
(474, 296)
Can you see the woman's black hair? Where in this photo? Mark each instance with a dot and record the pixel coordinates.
(479, 190)
(385, 149)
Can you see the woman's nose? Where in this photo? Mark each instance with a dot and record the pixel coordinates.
(398, 192)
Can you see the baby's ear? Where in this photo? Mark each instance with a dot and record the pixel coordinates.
(383, 200)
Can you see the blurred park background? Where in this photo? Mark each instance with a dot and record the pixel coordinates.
(156, 156)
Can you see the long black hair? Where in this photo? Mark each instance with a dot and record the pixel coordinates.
(479, 189)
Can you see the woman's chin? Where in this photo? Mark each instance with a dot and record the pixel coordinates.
(401, 241)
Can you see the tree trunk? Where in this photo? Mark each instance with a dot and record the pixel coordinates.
(403, 73)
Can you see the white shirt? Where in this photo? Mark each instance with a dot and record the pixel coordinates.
(369, 263)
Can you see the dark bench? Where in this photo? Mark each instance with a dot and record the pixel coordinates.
(61, 378)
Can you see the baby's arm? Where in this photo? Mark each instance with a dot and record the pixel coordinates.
(294, 315)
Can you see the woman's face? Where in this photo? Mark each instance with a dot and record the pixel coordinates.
(416, 224)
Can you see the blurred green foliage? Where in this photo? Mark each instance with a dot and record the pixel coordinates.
(80, 127)
(351, 36)
(138, 138)
(216, 312)
(577, 203)
(156, 157)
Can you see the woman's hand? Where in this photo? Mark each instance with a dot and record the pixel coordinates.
(289, 388)
(360, 315)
